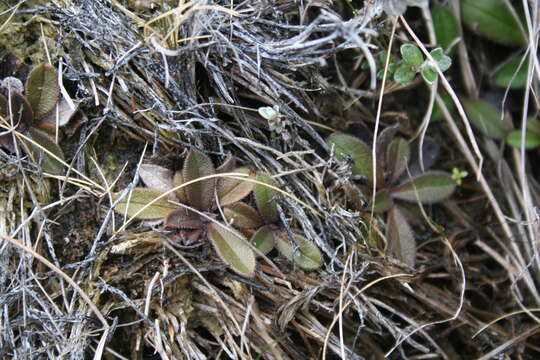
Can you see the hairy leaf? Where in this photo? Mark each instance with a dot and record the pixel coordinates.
(180, 193)
(305, 254)
(513, 73)
(383, 202)
(47, 162)
(446, 26)
(404, 75)
(357, 150)
(233, 190)
(397, 157)
(263, 239)
(400, 237)
(486, 118)
(232, 248)
(156, 177)
(42, 89)
(242, 216)
(411, 54)
(138, 199)
(493, 20)
(183, 219)
(201, 193)
(428, 188)
(265, 198)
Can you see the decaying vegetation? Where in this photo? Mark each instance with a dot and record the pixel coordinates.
(334, 111)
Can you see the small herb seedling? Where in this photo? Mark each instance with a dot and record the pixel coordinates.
(413, 62)
(458, 175)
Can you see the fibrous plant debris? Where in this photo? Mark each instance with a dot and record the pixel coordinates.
(266, 81)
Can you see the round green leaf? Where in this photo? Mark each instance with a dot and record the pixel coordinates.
(429, 73)
(138, 199)
(514, 139)
(357, 150)
(493, 20)
(42, 89)
(265, 198)
(232, 248)
(411, 55)
(512, 74)
(263, 239)
(428, 188)
(306, 254)
(442, 60)
(486, 118)
(446, 26)
(404, 75)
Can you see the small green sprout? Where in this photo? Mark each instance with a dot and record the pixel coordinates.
(413, 62)
(458, 175)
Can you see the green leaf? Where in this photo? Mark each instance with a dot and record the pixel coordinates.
(156, 177)
(242, 216)
(533, 126)
(411, 55)
(514, 139)
(232, 248)
(486, 118)
(233, 190)
(428, 188)
(512, 73)
(442, 60)
(265, 198)
(263, 239)
(201, 193)
(493, 20)
(47, 162)
(42, 89)
(397, 157)
(429, 73)
(404, 75)
(306, 254)
(446, 26)
(383, 202)
(357, 150)
(400, 237)
(132, 203)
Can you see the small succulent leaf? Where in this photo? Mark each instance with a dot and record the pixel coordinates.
(47, 162)
(305, 254)
(400, 237)
(233, 190)
(446, 26)
(183, 219)
(62, 113)
(357, 150)
(228, 165)
(404, 75)
(139, 198)
(442, 60)
(429, 73)
(493, 20)
(201, 193)
(156, 177)
(242, 216)
(263, 239)
(513, 73)
(411, 55)
(514, 139)
(383, 202)
(265, 198)
(232, 248)
(486, 118)
(428, 188)
(180, 193)
(397, 157)
(42, 89)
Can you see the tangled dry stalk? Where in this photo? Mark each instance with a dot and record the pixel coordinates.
(73, 286)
